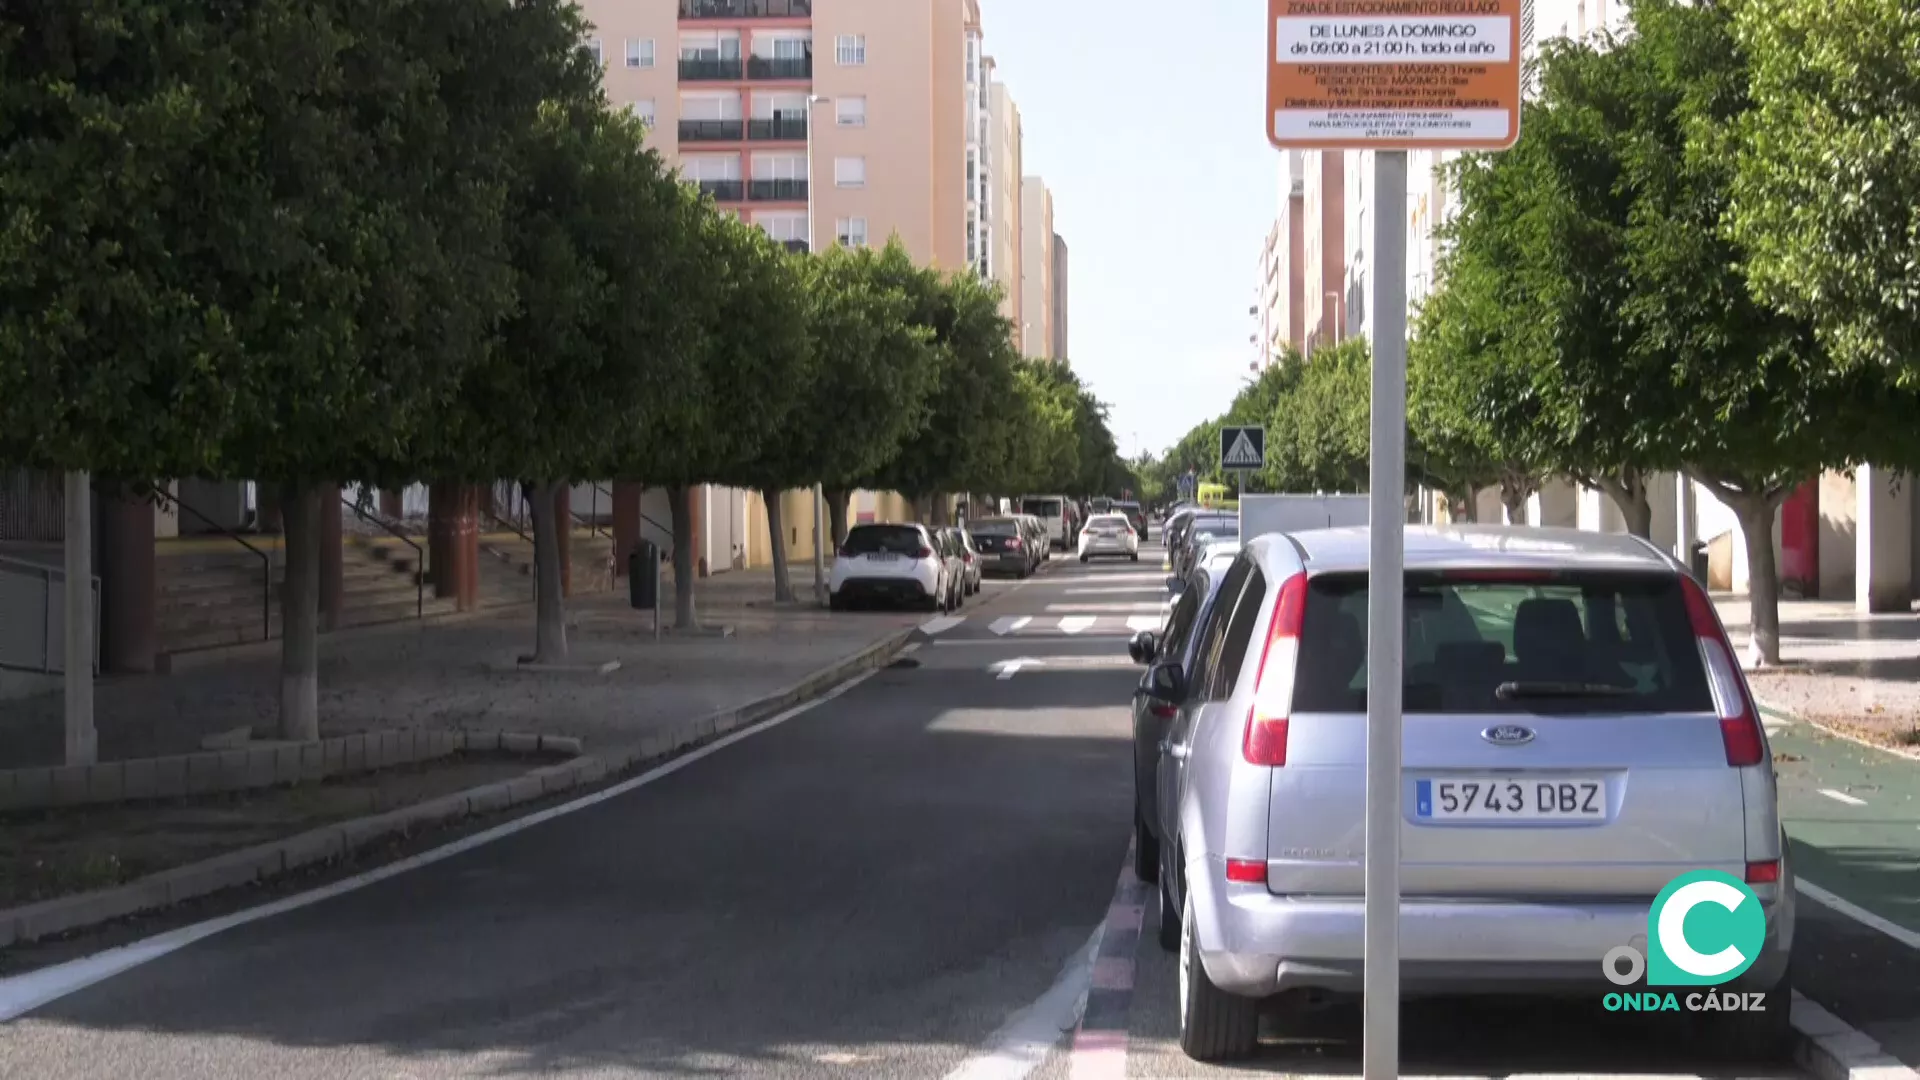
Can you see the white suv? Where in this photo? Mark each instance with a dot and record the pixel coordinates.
(890, 564)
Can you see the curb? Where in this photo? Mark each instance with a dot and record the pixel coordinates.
(1831, 1049)
(263, 862)
(1782, 714)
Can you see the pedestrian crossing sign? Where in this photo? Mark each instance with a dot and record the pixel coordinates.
(1243, 449)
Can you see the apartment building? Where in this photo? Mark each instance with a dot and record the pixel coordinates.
(856, 111)
(1036, 268)
(1280, 311)
(1059, 313)
(1323, 249)
(1005, 239)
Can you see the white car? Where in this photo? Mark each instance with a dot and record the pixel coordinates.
(890, 564)
(1109, 534)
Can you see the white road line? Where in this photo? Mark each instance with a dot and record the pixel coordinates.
(1074, 624)
(21, 994)
(1138, 623)
(1009, 668)
(1027, 640)
(1842, 797)
(1023, 1041)
(942, 624)
(1104, 609)
(1009, 624)
(1857, 913)
(1117, 590)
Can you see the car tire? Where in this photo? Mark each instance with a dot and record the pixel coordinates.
(1146, 849)
(1136, 557)
(1083, 558)
(1167, 932)
(1214, 1025)
(835, 603)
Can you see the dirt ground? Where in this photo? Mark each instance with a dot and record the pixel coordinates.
(1881, 706)
(49, 853)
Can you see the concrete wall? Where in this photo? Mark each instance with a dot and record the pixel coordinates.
(1837, 526)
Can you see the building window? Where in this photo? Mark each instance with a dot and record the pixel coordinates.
(639, 52)
(852, 231)
(850, 172)
(850, 111)
(594, 50)
(850, 50)
(644, 110)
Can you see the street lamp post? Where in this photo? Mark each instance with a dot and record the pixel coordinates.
(819, 493)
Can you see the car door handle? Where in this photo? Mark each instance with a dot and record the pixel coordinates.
(1175, 751)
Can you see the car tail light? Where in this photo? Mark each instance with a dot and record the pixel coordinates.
(1163, 710)
(1763, 873)
(1739, 719)
(1247, 871)
(924, 553)
(1013, 542)
(1266, 738)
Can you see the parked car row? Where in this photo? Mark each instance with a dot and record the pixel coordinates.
(1190, 529)
(1017, 544)
(1578, 735)
(931, 568)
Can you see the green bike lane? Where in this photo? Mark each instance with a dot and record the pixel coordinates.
(1852, 815)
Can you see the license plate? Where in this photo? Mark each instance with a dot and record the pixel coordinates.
(1499, 798)
(884, 558)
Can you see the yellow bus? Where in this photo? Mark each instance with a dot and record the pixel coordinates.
(1217, 497)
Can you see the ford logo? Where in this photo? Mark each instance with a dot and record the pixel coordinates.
(1508, 735)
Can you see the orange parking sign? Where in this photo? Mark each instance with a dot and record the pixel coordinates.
(1393, 74)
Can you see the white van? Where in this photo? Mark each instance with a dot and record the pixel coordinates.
(1056, 512)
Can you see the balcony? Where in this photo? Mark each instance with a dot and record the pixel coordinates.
(779, 191)
(723, 190)
(709, 68)
(778, 129)
(711, 130)
(746, 9)
(780, 67)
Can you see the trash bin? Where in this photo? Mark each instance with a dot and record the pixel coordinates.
(1697, 562)
(643, 576)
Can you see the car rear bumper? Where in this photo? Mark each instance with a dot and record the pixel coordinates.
(900, 590)
(1261, 944)
(1010, 562)
(1106, 547)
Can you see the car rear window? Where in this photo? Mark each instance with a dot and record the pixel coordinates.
(1044, 508)
(883, 539)
(1469, 633)
(1000, 527)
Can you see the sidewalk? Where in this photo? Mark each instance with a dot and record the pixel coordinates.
(1859, 674)
(463, 675)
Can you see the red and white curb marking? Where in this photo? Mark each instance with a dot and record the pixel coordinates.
(1100, 1041)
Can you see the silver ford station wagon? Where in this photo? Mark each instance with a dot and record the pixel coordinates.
(1577, 735)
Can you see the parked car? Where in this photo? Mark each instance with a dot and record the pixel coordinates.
(1109, 534)
(1175, 527)
(1201, 529)
(1040, 543)
(890, 564)
(1578, 734)
(1174, 642)
(948, 541)
(1005, 545)
(970, 553)
(1057, 513)
(1134, 515)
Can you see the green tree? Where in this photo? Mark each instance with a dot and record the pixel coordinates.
(751, 351)
(1826, 200)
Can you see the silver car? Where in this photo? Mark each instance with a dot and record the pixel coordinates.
(1578, 734)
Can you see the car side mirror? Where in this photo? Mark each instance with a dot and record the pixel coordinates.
(1166, 683)
(1143, 647)
(1176, 584)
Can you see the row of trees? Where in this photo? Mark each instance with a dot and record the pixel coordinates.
(1701, 257)
(385, 241)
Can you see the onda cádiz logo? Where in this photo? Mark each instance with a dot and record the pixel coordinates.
(1705, 928)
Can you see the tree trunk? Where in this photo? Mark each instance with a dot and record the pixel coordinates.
(1515, 500)
(1763, 578)
(837, 500)
(1466, 509)
(777, 528)
(1628, 490)
(300, 615)
(683, 558)
(940, 516)
(549, 590)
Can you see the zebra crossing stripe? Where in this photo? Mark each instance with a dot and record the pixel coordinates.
(1137, 623)
(1009, 624)
(1074, 624)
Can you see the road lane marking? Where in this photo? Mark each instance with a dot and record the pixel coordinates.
(942, 624)
(1074, 624)
(1022, 1043)
(1009, 668)
(1117, 590)
(1099, 1045)
(1137, 623)
(1009, 624)
(1842, 797)
(21, 994)
(1026, 640)
(1857, 913)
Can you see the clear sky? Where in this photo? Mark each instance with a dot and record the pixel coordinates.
(1145, 119)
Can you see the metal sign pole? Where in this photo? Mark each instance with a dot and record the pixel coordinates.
(1386, 563)
(657, 598)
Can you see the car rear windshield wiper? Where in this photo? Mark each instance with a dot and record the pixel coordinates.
(1508, 691)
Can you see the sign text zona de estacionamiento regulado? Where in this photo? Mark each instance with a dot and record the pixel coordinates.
(1697, 911)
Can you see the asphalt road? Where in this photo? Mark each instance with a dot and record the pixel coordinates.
(891, 884)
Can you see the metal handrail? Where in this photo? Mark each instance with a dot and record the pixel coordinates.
(46, 574)
(419, 554)
(266, 561)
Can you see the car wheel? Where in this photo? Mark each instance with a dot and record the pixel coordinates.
(1083, 558)
(1168, 932)
(835, 603)
(1136, 557)
(1146, 849)
(1214, 1025)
